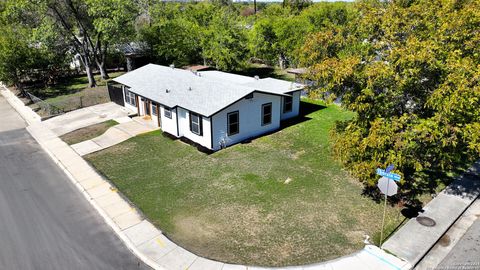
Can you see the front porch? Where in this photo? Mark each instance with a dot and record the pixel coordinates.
(148, 112)
(147, 120)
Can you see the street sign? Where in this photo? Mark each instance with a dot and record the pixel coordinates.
(389, 168)
(390, 175)
(387, 186)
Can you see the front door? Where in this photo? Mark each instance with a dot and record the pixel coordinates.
(147, 107)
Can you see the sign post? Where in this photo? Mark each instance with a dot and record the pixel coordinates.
(387, 187)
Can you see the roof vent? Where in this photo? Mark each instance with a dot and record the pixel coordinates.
(167, 91)
(190, 88)
(172, 66)
(256, 77)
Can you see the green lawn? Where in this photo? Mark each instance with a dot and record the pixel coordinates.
(235, 205)
(87, 133)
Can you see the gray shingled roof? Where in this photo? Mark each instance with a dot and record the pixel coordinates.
(206, 92)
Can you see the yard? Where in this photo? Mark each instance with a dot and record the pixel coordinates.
(278, 200)
(73, 93)
(87, 133)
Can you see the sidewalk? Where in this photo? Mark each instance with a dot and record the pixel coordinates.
(24, 111)
(148, 242)
(114, 135)
(412, 241)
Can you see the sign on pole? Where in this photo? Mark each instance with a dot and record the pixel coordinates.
(389, 168)
(388, 187)
(390, 175)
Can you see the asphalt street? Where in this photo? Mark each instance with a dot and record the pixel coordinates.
(466, 253)
(45, 222)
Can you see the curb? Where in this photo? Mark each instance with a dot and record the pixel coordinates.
(25, 112)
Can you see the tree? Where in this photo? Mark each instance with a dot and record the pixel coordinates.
(74, 24)
(72, 21)
(113, 21)
(410, 71)
(173, 41)
(297, 5)
(26, 53)
(263, 41)
(224, 40)
(15, 55)
(278, 34)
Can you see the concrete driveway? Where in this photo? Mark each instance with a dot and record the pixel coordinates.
(84, 117)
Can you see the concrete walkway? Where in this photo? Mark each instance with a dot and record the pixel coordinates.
(114, 135)
(412, 241)
(148, 242)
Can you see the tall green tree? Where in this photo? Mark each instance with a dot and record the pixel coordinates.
(410, 70)
(224, 41)
(29, 53)
(114, 24)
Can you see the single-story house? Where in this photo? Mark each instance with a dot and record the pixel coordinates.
(211, 108)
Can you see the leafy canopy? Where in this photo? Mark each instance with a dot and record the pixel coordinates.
(410, 70)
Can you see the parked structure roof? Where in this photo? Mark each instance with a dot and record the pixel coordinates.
(205, 92)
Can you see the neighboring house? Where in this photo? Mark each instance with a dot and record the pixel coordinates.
(211, 108)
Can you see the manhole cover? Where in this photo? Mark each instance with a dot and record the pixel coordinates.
(426, 221)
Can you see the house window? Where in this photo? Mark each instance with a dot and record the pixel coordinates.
(196, 124)
(287, 104)
(167, 112)
(130, 97)
(154, 108)
(266, 114)
(233, 123)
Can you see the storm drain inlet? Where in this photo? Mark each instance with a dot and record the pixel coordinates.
(426, 221)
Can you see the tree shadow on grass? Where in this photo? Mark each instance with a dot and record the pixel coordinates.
(306, 108)
(64, 86)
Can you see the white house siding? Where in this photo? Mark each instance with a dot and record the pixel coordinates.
(127, 105)
(169, 125)
(184, 128)
(295, 106)
(250, 116)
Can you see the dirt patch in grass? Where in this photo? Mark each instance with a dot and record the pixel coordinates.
(87, 133)
(234, 205)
